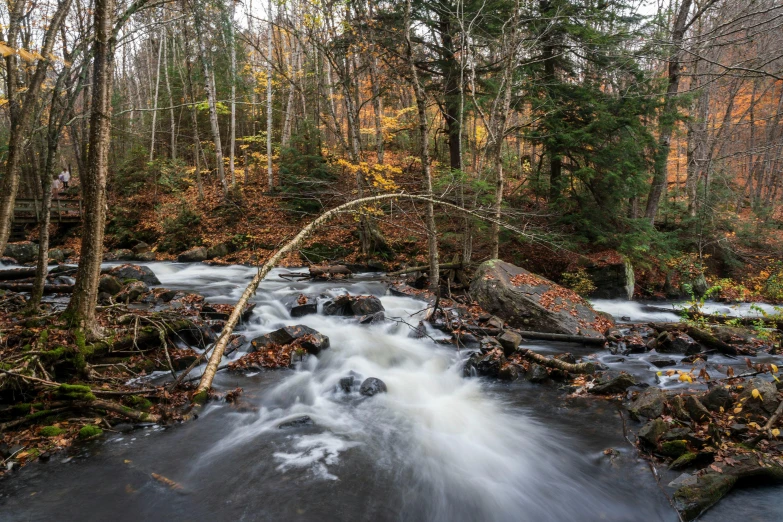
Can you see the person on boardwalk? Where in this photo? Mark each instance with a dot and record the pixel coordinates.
(57, 186)
(65, 177)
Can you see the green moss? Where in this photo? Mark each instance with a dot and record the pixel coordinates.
(51, 356)
(89, 431)
(25, 407)
(201, 397)
(43, 338)
(683, 461)
(140, 403)
(75, 392)
(674, 448)
(50, 431)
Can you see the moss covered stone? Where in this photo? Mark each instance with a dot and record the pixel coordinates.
(674, 448)
(89, 431)
(140, 403)
(50, 431)
(684, 460)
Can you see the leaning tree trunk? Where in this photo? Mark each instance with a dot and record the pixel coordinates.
(421, 107)
(217, 353)
(81, 308)
(43, 232)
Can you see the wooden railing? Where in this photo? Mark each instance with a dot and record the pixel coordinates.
(63, 210)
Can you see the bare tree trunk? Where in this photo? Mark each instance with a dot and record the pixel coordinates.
(270, 175)
(171, 98)
(421, 107)
(155, 101)
(209, 82)
(233, 131)
(193, 111)
(81, 308)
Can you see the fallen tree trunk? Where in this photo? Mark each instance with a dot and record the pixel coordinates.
(585, 367)
(28, 287)
(317, 272)
(220, 346)
(701, 336)
(770, 322)
(114, 407)
(16, 273)
(424, 268)
(564, 338)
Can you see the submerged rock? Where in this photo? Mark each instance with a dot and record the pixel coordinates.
(311, 340)
(372, 386)
(298, 422)
(140, 273)
(676, 342)
(531, 302)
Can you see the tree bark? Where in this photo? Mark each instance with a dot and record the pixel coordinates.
(81, 307)
(233, 125)
(421, 108)
(668, 115)
(155, 101)
(21, 114)
(270, 176)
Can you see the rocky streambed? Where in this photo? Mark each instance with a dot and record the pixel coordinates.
(376, 407)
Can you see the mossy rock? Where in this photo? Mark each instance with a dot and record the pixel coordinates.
(684, 460)
(140, 403)
(50, 431)
(691, 501)
(674, 448)
(90, 431)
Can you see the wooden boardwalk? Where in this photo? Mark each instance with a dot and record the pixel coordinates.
(63, 211)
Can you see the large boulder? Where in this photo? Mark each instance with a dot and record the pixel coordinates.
(353, 305)
(219, 250)
(139, 273)
(24, 252)
(194, 255)
(530, 302)
(109, 284)
(311, 340)
(612, 275)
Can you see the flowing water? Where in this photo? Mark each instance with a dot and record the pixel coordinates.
(436, 447)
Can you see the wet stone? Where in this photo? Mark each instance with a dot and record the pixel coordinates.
(649, 403)
(140, 273)
(510, 341)
(652, 432)
(696, 409)
(717, 398)
(613, 384)
(537, 373)
(305, 309)
(372, 386)
(298, 422)
(662, 363)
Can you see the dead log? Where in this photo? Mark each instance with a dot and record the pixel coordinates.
(586, 367)
(325, 272)
(424, 268)
(114, 407)
(28, 287)
(563, 338)
(703, 337)
(17, 273)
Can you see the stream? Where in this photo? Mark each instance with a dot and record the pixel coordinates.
(436, 447)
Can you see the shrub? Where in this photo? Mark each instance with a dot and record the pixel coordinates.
(179, 233)
(579, 282)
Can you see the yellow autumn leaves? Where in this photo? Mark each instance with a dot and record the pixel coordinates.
(28, 56)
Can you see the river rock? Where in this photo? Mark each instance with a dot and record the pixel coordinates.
(536, 373)
(510, 341)
(769, 397)
(652, 432)
(696, 409)
(353, 305)
(109, 284)
(693, 499)
(219, 250)
(612, 276)
(377, 317)
(312, 341)
(717, 398)
(23, 252)
(140, 248)
(608, 384)
(528, 301)
(649, 403)
(140, 273)
(194, 255)
(662, 363)
(298, 422)
(485, 364)
(676, 342)
(372, 386)
(133, 292)
(305, 309)
(147, 256)
(56, 255)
